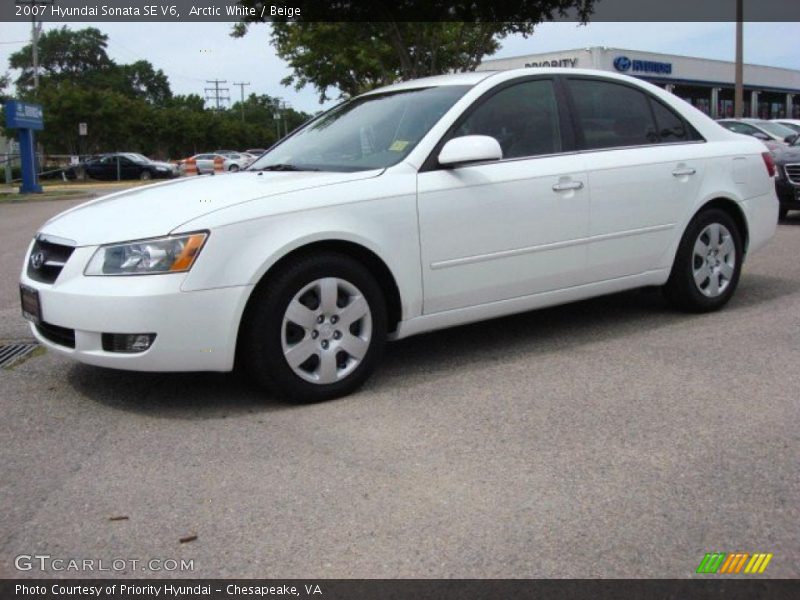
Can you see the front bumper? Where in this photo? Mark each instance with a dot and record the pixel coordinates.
(195, 331)
(788, 193)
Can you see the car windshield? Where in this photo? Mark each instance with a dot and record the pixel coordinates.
(369, 132)
(775, 128)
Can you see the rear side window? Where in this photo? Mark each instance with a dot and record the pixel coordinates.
(671, 127)
(523, 118)
(612, 115)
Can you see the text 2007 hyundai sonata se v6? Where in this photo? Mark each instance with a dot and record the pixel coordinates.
(418, 206)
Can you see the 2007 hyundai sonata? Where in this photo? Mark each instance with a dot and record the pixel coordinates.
(418, 206)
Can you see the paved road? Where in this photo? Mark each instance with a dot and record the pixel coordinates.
(609, 438)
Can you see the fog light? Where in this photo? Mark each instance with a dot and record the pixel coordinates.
(127, 342)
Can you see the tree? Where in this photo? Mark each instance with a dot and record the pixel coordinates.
(80, 57)
(63, 55)
(5, 80)
(129, 107)
(379, 45)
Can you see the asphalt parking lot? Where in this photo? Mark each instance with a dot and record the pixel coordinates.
(608, 438)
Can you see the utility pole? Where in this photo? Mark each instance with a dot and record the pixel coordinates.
(242, 85)
(276, 102)
(738, 90)
(36, 31)
(217, 96)
(285, 106)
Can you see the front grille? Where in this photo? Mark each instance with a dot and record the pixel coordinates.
(47, 259)
(58, 335)
(793, 173)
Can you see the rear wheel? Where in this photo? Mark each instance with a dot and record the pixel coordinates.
(315, 330)
(708, 263)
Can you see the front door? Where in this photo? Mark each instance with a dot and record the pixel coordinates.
(508, 228)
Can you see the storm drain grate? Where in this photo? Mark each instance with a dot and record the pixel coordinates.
(11, 353)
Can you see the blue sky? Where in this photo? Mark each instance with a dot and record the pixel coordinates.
(190, 53)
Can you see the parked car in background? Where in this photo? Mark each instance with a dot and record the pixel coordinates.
(793, 124)
(761, 129)
(414, 207)
(230, 162)
(238, 160)
(787, 182)
(256, 151)
(123, 165)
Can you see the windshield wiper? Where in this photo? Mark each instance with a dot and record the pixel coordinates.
(286, 167)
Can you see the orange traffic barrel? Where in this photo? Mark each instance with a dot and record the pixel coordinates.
(190, 167)
(219, 164)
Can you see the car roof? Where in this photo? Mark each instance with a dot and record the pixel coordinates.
(471, 78)
(744, 120)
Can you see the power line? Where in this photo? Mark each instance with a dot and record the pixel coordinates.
(242, 85)
(217, 96)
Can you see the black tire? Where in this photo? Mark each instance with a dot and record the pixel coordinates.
(233, 168)
(782, 213)
(261, 333)
(145, 175)
(681, 289)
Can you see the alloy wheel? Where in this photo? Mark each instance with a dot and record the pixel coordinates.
(713, 260)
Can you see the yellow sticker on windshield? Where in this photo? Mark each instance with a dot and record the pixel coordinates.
(398, 146)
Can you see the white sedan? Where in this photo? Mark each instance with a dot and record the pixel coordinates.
(414, 207)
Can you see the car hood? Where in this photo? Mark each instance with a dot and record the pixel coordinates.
(159, 209)
(787, 155)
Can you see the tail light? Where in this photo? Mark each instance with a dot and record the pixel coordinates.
(769, 163)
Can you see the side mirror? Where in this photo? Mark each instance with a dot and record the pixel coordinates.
(791, 139)
(761, 136)
(468, 149)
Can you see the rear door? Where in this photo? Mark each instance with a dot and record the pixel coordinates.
(644, 166)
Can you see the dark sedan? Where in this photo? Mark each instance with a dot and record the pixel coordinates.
(787, 183)
(126, 165)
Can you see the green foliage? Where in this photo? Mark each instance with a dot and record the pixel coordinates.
(129, 107)
(380, 45)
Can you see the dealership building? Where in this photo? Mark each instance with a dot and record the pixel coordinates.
(769, 92)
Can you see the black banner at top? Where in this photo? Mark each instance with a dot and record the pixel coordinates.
(395, 10)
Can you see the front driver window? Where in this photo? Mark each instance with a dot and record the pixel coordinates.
(523, 118)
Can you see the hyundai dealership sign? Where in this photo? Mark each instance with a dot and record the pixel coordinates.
(623, 64)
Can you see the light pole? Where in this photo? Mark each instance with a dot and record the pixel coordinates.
(738, 92)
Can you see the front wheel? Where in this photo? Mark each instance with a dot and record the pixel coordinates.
(315, 330)
(233, 168)
(708, 263)
(146, 176)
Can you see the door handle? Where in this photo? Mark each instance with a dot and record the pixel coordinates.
(567, 185)
(684, 171)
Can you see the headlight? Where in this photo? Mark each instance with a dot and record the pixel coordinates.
(173, 254)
